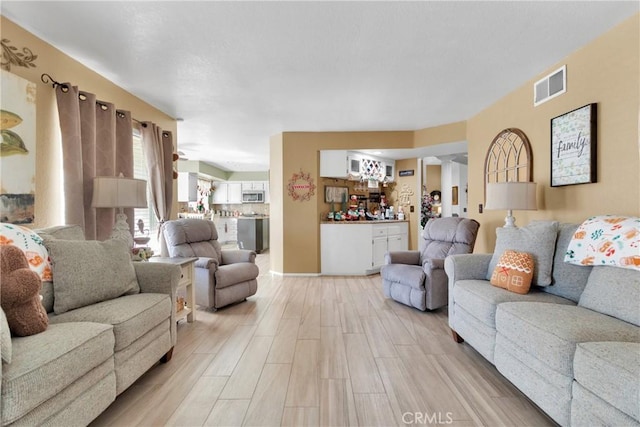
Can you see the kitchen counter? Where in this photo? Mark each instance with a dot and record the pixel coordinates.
(373, 221)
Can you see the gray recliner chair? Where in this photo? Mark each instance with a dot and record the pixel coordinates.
(222, 277)
(417, 278)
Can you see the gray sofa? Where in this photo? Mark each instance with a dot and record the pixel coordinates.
(573, 346)
(71, 372)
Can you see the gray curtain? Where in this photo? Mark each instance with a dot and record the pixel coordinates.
(157, 146)
(97, 140)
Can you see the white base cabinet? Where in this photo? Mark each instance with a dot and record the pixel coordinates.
(358, 248)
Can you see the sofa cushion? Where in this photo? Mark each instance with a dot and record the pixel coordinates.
(5, 339)
(407, 275)
(551, 332)
(513, 272)
(63, 232)
(606, 240)
(45, 364)
(481, 299)
(568, 280)
(611, 370)
(87, 272)
(132, 316)
(587, 409)
(31, 245)
(231, 274)
(538, 238)
(613, 291)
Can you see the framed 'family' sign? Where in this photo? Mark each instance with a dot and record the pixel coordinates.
(573, 147)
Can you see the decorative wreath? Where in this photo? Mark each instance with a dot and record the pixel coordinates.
(301, 186)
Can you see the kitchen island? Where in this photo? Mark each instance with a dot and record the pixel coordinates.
(358, 247)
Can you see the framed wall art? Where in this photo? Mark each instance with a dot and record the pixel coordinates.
(573, 147)
(336, 194)
(18, 150)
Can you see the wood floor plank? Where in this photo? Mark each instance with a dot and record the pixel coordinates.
(303, 384)
(284, 343)
(228, 413)
(334, 405)
(242, 382)
(438, 395)
(196, 407)
(362, 367)
(395, 328)
(301, 417)
(333, 358)
(329, 313)
(349, 318)
(310, 325)
(379, 341)
(227, 358)
(400, 386)
(269, 323)
(374, 409)
(267, 404)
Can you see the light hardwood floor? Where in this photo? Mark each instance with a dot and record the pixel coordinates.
(321, 351)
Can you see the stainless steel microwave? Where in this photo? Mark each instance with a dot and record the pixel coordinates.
(253, 196)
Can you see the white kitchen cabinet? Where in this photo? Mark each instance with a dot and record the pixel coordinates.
(187, 187)
(227, 228)
(358, 248)
(253, 185)
(234, 192)
(227, 193)
(220, 194)
(333, 163)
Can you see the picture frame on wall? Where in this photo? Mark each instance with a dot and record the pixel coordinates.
(336, 194)
(573, 147)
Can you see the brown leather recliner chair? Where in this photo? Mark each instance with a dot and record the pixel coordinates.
(222, 277)
(417, 278)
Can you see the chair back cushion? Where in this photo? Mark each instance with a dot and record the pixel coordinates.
(448, 236)
(190, 237)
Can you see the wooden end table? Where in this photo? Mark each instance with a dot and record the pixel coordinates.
(187, 265)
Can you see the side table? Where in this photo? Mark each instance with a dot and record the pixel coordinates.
(187, 266)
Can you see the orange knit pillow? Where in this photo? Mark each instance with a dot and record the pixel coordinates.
(513, 272)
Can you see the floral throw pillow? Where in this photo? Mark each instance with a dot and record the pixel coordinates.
(32, 246)
(611, 240)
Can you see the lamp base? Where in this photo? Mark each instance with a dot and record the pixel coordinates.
(510, 220)
(120, 229)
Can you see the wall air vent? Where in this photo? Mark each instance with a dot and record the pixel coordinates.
(550, 86)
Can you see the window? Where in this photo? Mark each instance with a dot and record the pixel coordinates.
(145, 218)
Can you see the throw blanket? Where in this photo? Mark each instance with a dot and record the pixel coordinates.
(606, 240)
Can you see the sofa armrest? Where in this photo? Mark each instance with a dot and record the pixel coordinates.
(205, 262)
(402, 257)
(160, 278)
(238, 255)
(464, 267)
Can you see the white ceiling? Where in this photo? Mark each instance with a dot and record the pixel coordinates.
(239, 72)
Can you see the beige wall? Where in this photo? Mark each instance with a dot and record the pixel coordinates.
(606, 72)
(434, 178)
(301, 220)
(276, 194)
(411, 183)
(48, 210)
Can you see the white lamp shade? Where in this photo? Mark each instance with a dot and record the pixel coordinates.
(517, 196)
(119, 192)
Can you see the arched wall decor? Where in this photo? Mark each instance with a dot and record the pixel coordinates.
(509, 158)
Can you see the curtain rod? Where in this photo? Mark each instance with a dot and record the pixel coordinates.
(46, 78)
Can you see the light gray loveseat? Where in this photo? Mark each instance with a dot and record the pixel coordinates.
(71, 372)
(572, 346)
